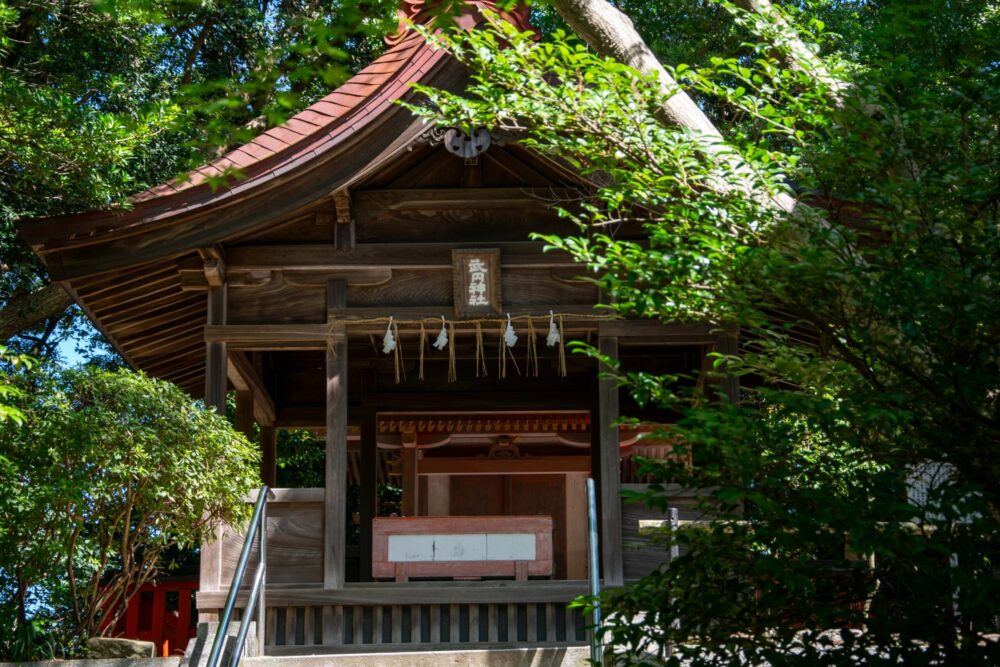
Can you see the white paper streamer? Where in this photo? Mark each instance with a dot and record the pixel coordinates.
(553, 338)
(388, 341)
(509, 337)
(441, 341)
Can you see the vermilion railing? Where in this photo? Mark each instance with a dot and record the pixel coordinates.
(161, 613)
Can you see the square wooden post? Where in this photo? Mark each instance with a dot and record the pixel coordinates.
(369, 490)
(610, 471)
(215, 397)
(216, 365)
(244, 414)
(410, 479)
(268, 455)
(335, 510)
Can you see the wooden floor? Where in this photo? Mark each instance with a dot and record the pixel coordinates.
(416, 615)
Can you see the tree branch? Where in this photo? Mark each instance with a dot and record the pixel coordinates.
(27, 309)
(611, 33)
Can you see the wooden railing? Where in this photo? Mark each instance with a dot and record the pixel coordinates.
(346, 628)
(418, 616)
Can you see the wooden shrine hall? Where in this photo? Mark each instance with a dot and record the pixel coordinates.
(372, 279)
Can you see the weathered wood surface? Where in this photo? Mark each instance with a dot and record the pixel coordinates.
(245, 378)
(215, 353)
(641, 554)
(301, 630)
(610, 475)
(335, 513)
(319, 257)
(536, 465)
(294, 540)
(414, 592)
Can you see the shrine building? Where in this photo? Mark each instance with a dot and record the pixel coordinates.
(372, 279)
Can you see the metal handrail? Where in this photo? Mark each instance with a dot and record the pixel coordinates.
(256, 521)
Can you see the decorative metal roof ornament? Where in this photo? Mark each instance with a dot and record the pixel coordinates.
(464, 145)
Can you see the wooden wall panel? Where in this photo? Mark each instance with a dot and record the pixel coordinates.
(408, 288)
(294, 545)
(543, 495)
(535, 287)
(484, 224)
(277, 304)
(641, 555)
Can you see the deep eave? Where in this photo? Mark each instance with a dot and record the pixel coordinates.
(362, 127)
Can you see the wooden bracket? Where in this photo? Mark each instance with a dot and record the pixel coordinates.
(214, 264)
(343, 231)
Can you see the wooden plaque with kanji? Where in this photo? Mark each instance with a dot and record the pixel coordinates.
(476, 281)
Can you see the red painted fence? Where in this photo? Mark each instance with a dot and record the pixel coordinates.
(162, 613)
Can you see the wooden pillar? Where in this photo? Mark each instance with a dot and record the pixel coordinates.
(335, 505)
(576, 525)
(244, 414)
(215, 354)
(369, 490)
(610, 472)
(215, 397)
(410, 485)
(268, 455)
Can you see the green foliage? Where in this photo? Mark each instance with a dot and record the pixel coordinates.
(7, 391)
(100, 99)
(109, 472)
(868, 317)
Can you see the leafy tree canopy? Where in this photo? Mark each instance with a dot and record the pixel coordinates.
(109, 472)
(100, 99)
(844, 222)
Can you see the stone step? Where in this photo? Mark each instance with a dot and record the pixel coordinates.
(549, 656)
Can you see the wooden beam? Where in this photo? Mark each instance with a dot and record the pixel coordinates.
(214, 265)
(435, 312)
(412, 593)
(166, 317)
(675, 334)
(149, 291)
(344, 230)
(124, 282)
(271, 336)
(335, 510)
(610, 471)
(244, 377)
(215, 353)
(464, 198)
(167, 299)
(536, 465)
(319, 257)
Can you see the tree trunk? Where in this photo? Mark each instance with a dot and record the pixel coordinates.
(796, 52)
(611, 33)
(27, 309)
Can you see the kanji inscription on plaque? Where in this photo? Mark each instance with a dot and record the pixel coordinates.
(476, 279)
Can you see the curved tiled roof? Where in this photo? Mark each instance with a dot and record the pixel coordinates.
(291, 145)
(301, 129)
